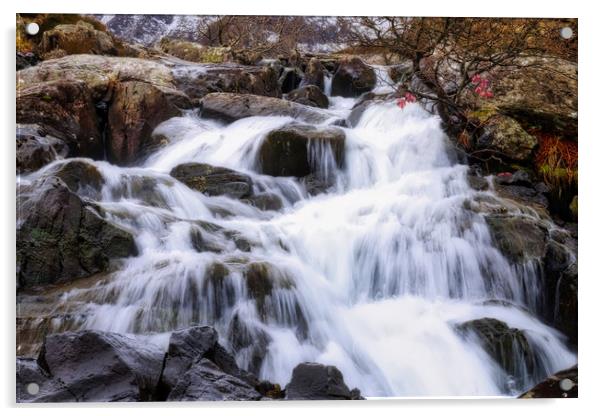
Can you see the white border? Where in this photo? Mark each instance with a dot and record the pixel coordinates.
(590, 289)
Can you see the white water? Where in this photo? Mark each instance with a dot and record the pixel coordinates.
(372, 276)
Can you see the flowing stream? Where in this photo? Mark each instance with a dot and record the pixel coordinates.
(372, 276)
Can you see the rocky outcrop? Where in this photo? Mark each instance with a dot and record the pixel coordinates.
(287, 151)
(313, 381)
(231, 107)
(36, 148)
(563, 384)
(309, 95)
(213, 180)
(77, 38)
(352, 78)
(198, 80)
(314, 74)
(61, 237)
(83, 97)
(504, 136)
(94, 366)
(195, 52)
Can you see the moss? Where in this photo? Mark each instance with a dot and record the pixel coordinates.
(573, 207)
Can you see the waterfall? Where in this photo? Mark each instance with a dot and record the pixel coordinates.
(373, 276)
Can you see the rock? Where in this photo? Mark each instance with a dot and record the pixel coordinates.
(198, 80)
(574, 208)
(503, 136)
(561, 284)
(519, 238)
(355, 116)
(81, 177)
(313, 381)
(478, 183)
(65, 107)
(519, 187)
(213, 180)
(309, 95)
(195, 52)
(353, 78)
(78, 38)
(230, 107)
(314, 74)
(26, 59)
(250, 341)
(503, 344)
(288, 151)
(556, 386)
(185, 346)
(96, 366)
(290, 79)
(36, 148)
(205, 381)
(266, 201)
(62, 238)
(136, 109)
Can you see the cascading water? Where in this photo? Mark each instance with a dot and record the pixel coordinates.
(373, 276)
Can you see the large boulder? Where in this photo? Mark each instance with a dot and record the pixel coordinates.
(31, 375)
(288, 151)
(508, 347)
(86, 97)
(77, 38)
(519, 238)
(308, 95)
(314, 74)
(65, 108)
(198, 80)
(61, 237)
(36, 148)
(213, 180)
(204, 380)
(95, 366)
(313, 381)
(353, 78)
(231, 107)
(195, 52)
(135, 110)
(563, 384)
(503, 136)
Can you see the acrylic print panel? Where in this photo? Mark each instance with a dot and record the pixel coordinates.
(252, 207)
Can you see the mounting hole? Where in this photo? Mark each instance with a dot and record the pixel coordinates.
(566, 32)
(566, 384)
(33, 389)
(32, 28)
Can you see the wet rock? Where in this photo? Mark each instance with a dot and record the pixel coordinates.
(196, 81)
(309, 95)
(266, 201)
(353, 78)
(249, 341)
(314, 74)
(36, 148)
(62, 238)
(185, 346)
(136, 109)
(26, 59)
(81, 177)
(64, 107)
(504, 137)
(213, 180)
(519, 238)
(478, 183)
(287, 151)
(574, 208)
(206, 381)
(504, 344)
(356, 114)
(96, 366)
(78, 38)
(313, 381)
(564, 383)
(231, 107)
(400, 72)
(290, 79)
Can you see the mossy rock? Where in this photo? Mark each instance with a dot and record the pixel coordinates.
(519, 238)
